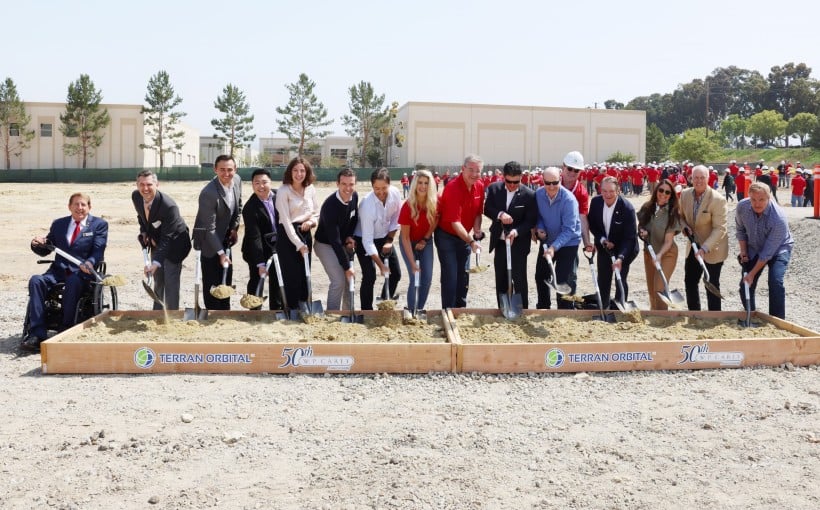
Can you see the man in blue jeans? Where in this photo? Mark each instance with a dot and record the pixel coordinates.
(460, 208)
(765, 240)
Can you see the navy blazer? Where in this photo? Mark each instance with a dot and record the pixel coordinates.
(257, 222)
(623, 229)
(166, 227)
(522, 208)
(89, 245)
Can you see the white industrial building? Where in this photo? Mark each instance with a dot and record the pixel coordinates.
(120, 146)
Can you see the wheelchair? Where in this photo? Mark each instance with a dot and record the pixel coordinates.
(94, 300)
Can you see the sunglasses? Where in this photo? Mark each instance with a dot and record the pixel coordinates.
(512, 182)
(576, 170)
(551, 183)
(665, 191)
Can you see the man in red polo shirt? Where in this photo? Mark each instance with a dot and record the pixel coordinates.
(573, 163)
(652, 177)
(460, 207)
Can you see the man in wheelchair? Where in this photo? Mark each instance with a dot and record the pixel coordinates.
(80, 235)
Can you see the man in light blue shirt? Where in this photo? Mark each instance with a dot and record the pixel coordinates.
(765, 240)
(558, 228)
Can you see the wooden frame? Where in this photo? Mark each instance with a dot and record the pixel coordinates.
(801, 349)
(61, 355)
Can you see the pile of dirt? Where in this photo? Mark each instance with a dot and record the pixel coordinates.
(648, 328)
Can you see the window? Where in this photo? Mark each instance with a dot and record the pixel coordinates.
(338, 153)
(14, 129)
(45, 130)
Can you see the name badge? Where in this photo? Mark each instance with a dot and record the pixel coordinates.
(156, 224)
(88, 234)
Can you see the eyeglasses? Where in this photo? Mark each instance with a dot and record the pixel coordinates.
(512, 182)
(665, 191)
(552, 183)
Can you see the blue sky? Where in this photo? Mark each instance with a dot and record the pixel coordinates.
(566, 54)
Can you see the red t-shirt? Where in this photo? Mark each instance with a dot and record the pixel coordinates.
(798, 185)
(733, 169)
(713, 178)
(652, 174)
(460, 204)
(581, 196)
(419, 228)
(740, 183)
(637, 177)
(773, 178)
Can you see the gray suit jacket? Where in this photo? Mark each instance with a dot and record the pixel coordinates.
(214, 219)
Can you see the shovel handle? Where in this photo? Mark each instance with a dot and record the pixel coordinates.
(197, 269)
(746, 288)
(147, 261)
(654, 257)
(509, 253)
(307, 263)
(351, 287)
(275, 258)
(77, 262)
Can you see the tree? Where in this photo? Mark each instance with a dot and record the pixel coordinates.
(84, 119)
(237, 121)
(694, 145)
(801, 125)
(767, 125)
(367, 116)
(14, 132)
(734, 129)
(611, 104)
(304, 115)
(656, 147)
(160, 119)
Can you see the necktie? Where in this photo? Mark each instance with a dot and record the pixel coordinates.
(76, 232)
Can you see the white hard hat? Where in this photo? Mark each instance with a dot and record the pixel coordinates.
(574, 159)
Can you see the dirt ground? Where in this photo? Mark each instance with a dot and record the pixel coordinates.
(740, 438)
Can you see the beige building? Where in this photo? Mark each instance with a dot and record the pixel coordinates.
(341, 148)
(120, 146)
(443, 133)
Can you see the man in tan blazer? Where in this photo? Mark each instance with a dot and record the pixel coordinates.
(703, 214)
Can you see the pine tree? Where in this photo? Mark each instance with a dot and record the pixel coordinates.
(236, 121)
(304, 115)
(160, 121)
(14, 132)
(84, 119)
(367, 116)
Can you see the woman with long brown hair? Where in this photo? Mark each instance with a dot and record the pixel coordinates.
(658, 224)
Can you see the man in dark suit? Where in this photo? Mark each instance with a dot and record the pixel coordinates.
(165, 234)
(215, 227)
(614, 228)
(259, 216)
(511, 208)
(80, 235)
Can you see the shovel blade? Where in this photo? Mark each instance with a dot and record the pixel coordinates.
(280, 316)
(607, 317)
(152, 294)
(710, 287)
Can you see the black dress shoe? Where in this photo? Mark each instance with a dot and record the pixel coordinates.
(31, 343)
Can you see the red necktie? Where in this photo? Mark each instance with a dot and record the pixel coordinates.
(76, 233)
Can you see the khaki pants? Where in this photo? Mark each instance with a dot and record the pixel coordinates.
(654, 282)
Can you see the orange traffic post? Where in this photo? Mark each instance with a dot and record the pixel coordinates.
(816, 198)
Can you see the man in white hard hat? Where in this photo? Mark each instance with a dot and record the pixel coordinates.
(573, 165)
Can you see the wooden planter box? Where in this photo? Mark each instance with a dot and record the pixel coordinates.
(800, 347)
(62, 354)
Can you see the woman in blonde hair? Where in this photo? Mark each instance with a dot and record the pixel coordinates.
(418, 219)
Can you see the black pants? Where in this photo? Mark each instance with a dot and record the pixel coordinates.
(293, 265)
(692, 272)
(566, 271)
(519, 271)
(212, 277)
(605, 277)
(369, 272)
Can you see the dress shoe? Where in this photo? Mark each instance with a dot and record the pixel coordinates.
(31, 343)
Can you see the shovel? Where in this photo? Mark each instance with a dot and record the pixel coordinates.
(418, 314)
(559, 288)
(196, 313)
(606, 317)
(252, 301)
(477, 268)
(673, 299)
(223, 291)
(147, 284)
(624, 306)
(706, 283)
(352, 318)
(385, 295)
(109, 281)
(748, 322)
(309, 307)
(511, 304)
(287, 313)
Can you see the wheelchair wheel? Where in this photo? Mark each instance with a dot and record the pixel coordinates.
(105, 298)
(26, 323)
